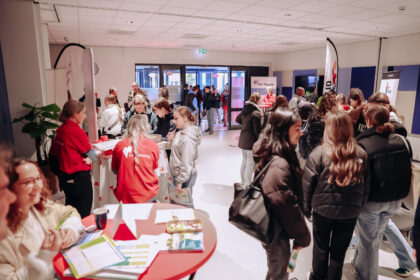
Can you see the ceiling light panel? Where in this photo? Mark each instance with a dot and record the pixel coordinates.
(312, 6)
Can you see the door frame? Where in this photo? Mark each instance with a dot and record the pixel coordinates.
(246, 89)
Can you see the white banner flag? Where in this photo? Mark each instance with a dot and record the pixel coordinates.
(331, 67)
(89, 89)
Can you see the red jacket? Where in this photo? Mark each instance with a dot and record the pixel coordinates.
(136, 183)
(69, 146)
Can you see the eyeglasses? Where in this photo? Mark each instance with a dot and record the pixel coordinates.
(138, 103)
(31, 181)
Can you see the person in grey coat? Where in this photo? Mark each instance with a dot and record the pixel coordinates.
(184, 146)
(250, 121)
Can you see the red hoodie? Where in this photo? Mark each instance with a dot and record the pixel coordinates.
(136, 183)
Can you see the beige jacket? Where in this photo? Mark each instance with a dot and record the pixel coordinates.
(19, 259)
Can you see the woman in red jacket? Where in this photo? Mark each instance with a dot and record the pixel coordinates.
(134, 160)
(75, 155)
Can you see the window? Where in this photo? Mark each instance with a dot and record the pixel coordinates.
(147, 76)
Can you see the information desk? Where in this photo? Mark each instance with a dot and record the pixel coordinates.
(167, 265)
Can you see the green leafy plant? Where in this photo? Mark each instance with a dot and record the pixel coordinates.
(40, 124)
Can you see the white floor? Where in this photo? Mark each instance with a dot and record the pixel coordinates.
(237, 255)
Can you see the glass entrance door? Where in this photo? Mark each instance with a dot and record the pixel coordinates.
(171, 78)
(237, 94)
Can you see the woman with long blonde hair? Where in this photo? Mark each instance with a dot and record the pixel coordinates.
(134, 160)
(335, 188)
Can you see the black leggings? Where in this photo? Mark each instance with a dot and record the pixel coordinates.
(78, 190)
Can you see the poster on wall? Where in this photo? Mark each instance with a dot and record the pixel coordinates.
(331, 67)
(389, 85)
(267, 87)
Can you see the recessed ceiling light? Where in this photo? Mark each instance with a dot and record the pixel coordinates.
(239, 30)
(402, 8)
(130, 21)
(288, 15)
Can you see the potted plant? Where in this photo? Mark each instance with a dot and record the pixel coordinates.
(40, 124)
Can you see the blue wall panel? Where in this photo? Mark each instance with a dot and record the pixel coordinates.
(279, 76)
(344, 80)
(363, 78)
(415, 129)
(408, 77)
(287, 91)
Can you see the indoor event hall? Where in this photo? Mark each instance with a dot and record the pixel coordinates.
(210, 139)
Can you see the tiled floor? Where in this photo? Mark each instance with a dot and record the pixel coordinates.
(237, 255)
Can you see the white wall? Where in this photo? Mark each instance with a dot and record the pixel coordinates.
(403, 50)
(117, 64)
(24, 64)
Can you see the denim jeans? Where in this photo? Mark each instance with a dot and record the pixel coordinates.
(247, 167)
(210, 118)
(399, 244)
(370, 226)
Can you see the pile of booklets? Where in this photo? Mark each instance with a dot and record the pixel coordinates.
(100, 257)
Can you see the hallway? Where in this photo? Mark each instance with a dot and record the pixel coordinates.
(237, 255)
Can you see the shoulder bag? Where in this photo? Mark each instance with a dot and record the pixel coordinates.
(249, 211)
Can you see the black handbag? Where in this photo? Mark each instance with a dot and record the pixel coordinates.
(249, 211)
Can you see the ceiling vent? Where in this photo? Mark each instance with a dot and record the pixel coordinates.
(193, 36)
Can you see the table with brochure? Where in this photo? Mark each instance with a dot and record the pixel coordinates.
(165, 263)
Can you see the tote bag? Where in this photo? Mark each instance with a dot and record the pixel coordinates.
(249, 213)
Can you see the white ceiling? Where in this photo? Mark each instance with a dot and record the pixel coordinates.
(267, 26)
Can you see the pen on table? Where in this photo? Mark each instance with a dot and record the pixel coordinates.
(63, 220)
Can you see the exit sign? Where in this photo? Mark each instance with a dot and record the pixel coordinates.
(202, 51)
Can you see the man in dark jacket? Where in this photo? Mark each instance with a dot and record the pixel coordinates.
(192, 100)
(250, 121)
(209, 105)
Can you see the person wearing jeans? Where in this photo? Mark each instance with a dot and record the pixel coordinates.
(371, 225)
(209, 107)
(401, 248)
(390, 168)
(250, 121)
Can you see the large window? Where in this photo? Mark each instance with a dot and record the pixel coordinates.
(191, 78)
(147, 76)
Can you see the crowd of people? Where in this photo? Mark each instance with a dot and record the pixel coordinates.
(345, 165)
(34, 228)
(208, 102)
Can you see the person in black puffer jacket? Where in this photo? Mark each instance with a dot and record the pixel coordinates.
(314, 129)
(390, 169)
(335, 186)
(250, 121)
